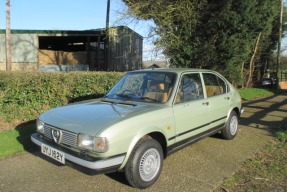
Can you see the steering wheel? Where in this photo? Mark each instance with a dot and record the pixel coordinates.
(129, 92)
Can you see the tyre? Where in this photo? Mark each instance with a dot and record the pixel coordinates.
(231, 127)
(145, 163)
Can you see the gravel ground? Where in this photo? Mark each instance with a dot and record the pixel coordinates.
(200, 167)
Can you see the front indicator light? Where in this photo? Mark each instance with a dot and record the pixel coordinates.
(101, 144)
(91, 143)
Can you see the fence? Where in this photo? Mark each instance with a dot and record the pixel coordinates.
(283, 76)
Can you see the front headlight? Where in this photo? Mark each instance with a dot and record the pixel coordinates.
(97, 144)
(40, 126)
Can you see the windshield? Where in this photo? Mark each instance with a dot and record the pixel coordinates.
(149, 86)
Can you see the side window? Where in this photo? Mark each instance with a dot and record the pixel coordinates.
(157, 87)
(190, 88)
(214, 85)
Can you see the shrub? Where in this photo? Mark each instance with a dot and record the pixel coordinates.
(24, 95)
(282, 134)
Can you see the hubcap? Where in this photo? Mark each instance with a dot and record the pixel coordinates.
(149, 164)
(233, 125)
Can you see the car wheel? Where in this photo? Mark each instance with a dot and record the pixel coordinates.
(145, 163)
(230, 129)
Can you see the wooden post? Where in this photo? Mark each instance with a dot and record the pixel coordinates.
(91, 65)
(8, 37)
(107, 55)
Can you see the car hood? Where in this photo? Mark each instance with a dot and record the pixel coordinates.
(91, 117)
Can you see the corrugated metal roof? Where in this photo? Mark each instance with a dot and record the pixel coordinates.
(64, 32)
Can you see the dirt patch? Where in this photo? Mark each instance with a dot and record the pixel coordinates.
(5, 126)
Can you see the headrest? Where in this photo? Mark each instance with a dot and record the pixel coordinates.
(157, 86)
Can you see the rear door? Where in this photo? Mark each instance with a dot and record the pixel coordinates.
(218, 97)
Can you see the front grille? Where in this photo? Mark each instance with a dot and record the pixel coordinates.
(68, 138)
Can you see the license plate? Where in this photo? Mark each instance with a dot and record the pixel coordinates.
(53, 153)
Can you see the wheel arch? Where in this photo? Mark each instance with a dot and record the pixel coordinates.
(237, 111)
(159, 137)
(156, 135)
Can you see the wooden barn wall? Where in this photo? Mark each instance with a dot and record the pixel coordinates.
(125, 51)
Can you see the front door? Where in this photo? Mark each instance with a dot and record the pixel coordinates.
(190, 107)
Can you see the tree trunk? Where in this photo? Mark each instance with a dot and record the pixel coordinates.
(251, 64)
(8, 37)
(242, 75)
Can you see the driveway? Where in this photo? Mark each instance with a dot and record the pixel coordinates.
(199, 167)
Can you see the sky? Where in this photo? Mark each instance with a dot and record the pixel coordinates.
(57, 14)
(69, 15)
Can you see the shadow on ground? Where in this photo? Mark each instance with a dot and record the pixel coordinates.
(267, 113)
(25, 130)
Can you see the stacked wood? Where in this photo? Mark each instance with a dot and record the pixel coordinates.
(62, 57)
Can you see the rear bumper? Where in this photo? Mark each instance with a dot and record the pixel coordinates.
(110, 164)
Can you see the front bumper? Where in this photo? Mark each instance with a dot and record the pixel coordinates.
(110, 164)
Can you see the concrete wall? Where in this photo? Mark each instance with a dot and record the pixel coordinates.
(52, 68)
(24, 50)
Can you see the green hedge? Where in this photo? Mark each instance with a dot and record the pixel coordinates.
(24, 95)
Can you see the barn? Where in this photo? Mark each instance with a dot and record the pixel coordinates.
(88, 50)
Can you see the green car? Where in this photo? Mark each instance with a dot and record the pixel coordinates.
(146, 116)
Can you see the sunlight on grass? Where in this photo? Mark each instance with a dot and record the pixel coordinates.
(16, 141)
(9, 143)
(253, 93)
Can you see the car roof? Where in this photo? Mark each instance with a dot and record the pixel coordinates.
(174, 70)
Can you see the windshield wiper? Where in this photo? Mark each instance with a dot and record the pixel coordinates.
(149, 98)
(108, 101)
(118, 102)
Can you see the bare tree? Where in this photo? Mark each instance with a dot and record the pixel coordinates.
(8, 37)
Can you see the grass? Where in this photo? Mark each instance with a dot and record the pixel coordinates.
(9, 143)
(254, 93)
(17, 141)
